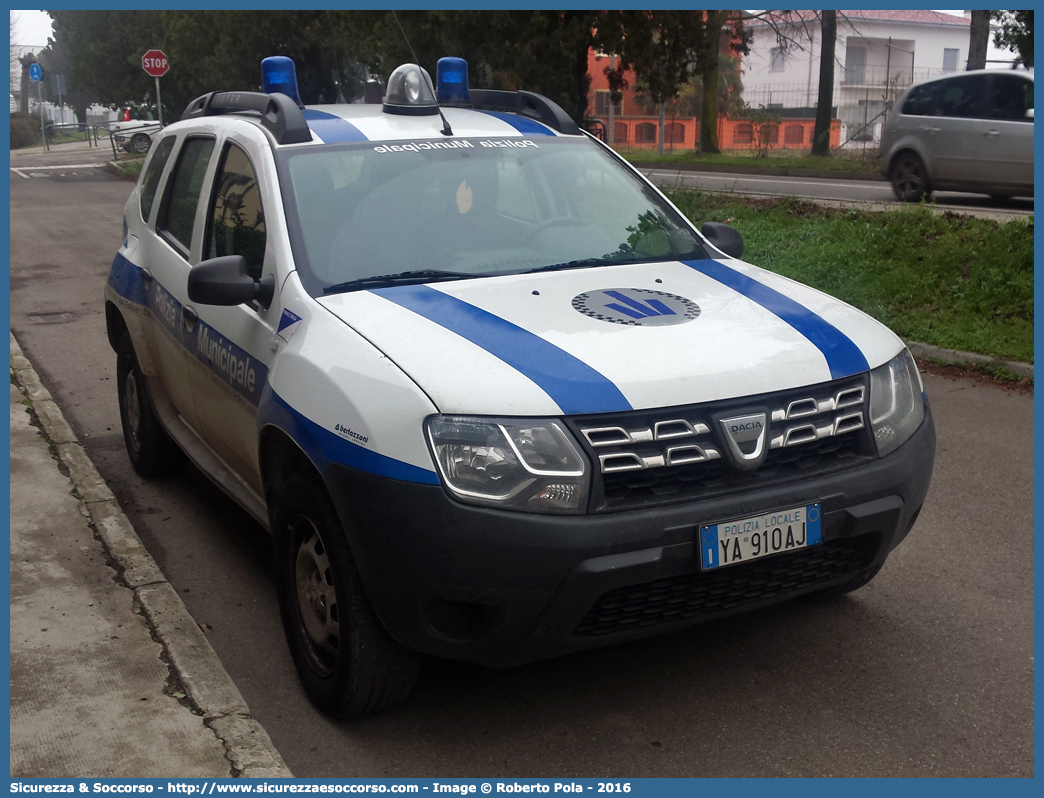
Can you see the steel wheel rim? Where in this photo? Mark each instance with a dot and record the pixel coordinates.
(316, 596)
(132, 402)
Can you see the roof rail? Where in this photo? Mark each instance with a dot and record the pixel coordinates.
(280, 115)
(525, 103)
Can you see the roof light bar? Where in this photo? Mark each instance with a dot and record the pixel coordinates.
(451, 87)
(279, 75)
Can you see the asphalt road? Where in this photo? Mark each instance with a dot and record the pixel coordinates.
(926, 672)
(871, 194)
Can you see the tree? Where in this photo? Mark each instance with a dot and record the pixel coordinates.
(25, 61)
(55, 60)
(979, 39)
(825, 101)
(715, 30)
(659, 46)
(335, 52)
(1016, 33)
(730, 90)
(14, 51)
(540, 51)
(105, 49)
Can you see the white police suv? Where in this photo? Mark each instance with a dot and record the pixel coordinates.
(495, 398)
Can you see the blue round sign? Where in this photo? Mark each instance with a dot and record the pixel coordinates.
(35, 72)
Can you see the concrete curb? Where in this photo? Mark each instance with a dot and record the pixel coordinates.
(210, 689)
(956, 357)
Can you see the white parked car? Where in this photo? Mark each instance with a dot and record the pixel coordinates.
(135, 135)
(493, 395)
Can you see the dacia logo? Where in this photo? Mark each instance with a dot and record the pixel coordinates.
(745, 436)
(750, 425)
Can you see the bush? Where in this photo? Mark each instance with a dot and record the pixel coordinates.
(25, 130)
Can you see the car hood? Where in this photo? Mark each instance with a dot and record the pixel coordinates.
(614, 338)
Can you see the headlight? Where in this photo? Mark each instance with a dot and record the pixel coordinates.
(896, 402)
(532, 465)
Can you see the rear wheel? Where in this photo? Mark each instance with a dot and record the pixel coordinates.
(910, 178)
(150, 449)
(347, 662)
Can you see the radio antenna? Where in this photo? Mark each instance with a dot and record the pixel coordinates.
(446, 129)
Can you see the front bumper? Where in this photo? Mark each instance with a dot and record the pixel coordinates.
(504, 588)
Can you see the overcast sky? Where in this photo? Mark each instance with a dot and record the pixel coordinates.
(31, 27)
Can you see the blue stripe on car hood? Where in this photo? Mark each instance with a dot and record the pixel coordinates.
(843, 357)
(572, 384)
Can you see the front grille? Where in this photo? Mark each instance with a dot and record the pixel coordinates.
(652, 457)
(733, 587)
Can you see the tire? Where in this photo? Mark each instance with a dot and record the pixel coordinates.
(910, 178)
(150, 449)
(348, 664)
(859, 580)
(140, 143)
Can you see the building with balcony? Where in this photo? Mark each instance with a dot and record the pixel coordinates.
(877, 56)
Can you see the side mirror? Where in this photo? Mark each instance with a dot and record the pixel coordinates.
(725, 238)
(224, 281)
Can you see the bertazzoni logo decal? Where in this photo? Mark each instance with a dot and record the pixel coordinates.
(636, 307)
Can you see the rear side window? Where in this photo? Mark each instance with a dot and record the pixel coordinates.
(186, 184)
(237, 220)
(149, 183)
(1011, 97)
(961, 97)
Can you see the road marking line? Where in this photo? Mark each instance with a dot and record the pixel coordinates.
(778, 180)
(65, 166)
(21, 173)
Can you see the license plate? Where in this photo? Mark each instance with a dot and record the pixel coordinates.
(746, 539)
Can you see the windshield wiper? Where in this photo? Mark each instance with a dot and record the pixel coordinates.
(608, 260)
(583, 263)
(402, 278)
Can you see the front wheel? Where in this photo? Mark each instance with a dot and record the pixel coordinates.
(150, 449)
(347, 662)
(910, 178)
(140, 143)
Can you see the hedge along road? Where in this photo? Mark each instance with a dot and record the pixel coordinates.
(927, 672)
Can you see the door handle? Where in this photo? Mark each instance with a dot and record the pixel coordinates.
(932, 130)
(991, 133)
(189, 317)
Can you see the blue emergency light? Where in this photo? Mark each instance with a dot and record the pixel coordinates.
(451, 79)
(278, 74)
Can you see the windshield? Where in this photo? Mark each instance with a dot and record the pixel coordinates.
(389, 212)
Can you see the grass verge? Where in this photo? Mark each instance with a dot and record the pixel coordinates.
(129, 170)
(788, 162)
(953, 281)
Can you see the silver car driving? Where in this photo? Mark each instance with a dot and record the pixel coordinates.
(972, 131)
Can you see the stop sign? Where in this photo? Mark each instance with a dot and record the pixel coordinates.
(155, 63)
